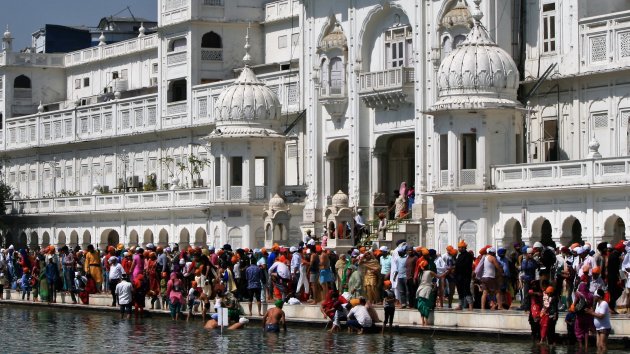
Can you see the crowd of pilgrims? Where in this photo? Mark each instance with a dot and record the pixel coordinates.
(546, 279)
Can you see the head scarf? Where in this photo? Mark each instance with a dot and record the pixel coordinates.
(462, 244)
(279, 303)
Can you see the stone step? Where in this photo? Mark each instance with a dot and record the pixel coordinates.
(445, 320)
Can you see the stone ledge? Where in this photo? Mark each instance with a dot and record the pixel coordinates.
(509, 323)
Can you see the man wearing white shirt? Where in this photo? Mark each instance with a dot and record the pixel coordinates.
(124, 294)
(116, 272)
(359, 317)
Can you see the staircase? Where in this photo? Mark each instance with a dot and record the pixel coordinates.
(402, 228)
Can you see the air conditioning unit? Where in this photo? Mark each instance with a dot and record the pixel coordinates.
(198, 182)
(153, 81)
(132, 181)
(121, 183)
(105, 189)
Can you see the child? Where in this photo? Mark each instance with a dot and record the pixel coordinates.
(389, 306)
(26, 284)
(163, 287)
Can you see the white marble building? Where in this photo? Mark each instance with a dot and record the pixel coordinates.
(510, 118)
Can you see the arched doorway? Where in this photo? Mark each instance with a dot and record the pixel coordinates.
(147, 237)
(74, 239)
(216, 242)
(615, 229)
(163, 238)
(61, 239)
(109, 237)
(468, 233)
(133, 238)
(541, 226)
(571, 231)
(338, 162)
(259, 238)
(513, 233)
(8, 239)
(200, 237)
(86, 239)
(235, 238)
(45, 239)
(22, 241)
(184, 239)
(34, 243)
(442, 236)
(546, 234)
(395, 155)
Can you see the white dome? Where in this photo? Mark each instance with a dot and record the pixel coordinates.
(277, 203)
(478, 71)
(340, 199)
(335, 39)
(247, 99)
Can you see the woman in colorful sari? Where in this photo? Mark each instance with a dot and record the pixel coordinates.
(93, 266)
(370, 268)
(583, 320)
(427, 291)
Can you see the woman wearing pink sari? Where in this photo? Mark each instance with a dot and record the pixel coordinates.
(583, 320)
(137, 264)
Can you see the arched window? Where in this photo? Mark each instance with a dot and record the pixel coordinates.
(22, 82)
(211, 47)
(337, 75)
(211, 40)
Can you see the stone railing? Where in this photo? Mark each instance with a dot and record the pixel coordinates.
(279, 10)
(389, 87)
(134, 115)
(97, 121)
(605, 41)
(32, 59)
(562, 173)
(129, 46)
(212, 54)
(120, 201)
(162, 199)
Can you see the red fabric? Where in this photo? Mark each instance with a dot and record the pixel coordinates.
(90, 287)
(544, 326)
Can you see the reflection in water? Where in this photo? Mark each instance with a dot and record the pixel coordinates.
(83, 331)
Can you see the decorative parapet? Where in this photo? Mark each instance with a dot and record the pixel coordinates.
(562, 174)
(388, 88)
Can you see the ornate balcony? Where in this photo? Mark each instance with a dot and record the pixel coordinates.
(334, 100)
(387, 89)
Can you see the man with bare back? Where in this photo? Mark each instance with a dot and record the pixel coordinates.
(325, 274)
(274, 318)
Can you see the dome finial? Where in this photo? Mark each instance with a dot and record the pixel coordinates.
(477, 14)
(247, 58)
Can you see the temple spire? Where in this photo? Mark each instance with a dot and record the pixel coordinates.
(247, 58)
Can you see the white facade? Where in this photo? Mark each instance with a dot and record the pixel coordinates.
(372, 93)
